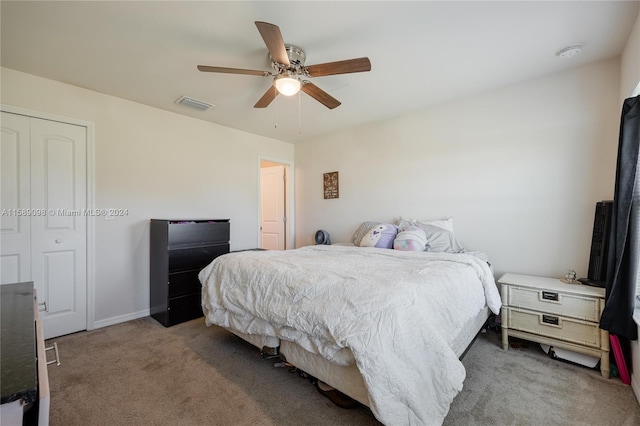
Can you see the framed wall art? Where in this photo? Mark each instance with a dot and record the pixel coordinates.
(331, 185)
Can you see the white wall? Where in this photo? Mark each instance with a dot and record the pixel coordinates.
(520, 169)
(630, 62)
(156, 164)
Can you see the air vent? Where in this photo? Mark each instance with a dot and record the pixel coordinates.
(194, 103)
(570, 51)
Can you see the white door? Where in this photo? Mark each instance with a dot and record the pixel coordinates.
(272, 207)
(15, 228)
(56, 202)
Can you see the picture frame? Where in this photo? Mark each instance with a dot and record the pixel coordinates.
(331, 185)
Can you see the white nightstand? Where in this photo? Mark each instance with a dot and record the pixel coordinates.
(548, 311)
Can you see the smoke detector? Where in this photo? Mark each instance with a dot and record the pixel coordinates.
(194, 103)
(569, 51)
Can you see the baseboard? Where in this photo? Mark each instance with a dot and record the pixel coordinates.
(121, 318)
(636, 387)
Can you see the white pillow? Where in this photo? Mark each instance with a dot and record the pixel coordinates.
(446, 224)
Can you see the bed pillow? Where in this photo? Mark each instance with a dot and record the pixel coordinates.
(441, 223)
(381, 236)
(362, 230)
(440, 240)
(411, 238)
(440, 237)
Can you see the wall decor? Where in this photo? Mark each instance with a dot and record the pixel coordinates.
(331, 185)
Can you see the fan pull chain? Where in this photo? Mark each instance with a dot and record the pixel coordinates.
(300, 112)
(275, 121)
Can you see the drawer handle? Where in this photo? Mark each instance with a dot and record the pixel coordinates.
(54, 348)
(549, 319)
(549, 295)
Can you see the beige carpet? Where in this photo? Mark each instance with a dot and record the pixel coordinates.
(141, 373)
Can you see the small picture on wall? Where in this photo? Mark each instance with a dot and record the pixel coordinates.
(331, 185)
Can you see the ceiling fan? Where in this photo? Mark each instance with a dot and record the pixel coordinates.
(290, 71)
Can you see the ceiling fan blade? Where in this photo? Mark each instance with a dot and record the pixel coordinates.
(206, 68)
(267, 98)
(275, 43)
(339, 67)
(320, 95)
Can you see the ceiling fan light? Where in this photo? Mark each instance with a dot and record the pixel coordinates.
(287, 86)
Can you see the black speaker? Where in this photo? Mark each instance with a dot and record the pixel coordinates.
(600, 244)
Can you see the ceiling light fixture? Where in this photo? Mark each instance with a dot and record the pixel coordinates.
(287, 84)
(569, 51)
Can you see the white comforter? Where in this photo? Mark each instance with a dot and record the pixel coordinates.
(395, 312)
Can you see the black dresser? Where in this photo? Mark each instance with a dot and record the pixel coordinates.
(23, 364)
(178, 252)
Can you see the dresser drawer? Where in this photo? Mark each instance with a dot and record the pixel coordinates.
(554, 302)
(194, 233)
(184, 308)
(195, 257)
(181, 283)
(554, 326)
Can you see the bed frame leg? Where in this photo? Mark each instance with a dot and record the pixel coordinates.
(268, 352)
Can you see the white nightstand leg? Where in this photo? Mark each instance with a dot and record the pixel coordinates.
(604, 356)
(505, 334)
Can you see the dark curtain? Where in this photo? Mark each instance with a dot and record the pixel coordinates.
(617, 316)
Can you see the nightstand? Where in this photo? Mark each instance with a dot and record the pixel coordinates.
(548, 311)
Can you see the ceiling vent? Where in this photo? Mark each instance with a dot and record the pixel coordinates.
(194, 103)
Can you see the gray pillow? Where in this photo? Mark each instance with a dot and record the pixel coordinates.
(440, 237)
(440, 240)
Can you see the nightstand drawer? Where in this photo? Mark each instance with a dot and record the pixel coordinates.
(554, 302)
(554, 326)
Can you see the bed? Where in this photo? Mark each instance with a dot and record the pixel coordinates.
(385, 327)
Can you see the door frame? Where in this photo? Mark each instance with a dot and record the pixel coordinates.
(91, 220)
(289, 198)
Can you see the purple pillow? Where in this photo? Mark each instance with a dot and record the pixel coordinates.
(380, 236)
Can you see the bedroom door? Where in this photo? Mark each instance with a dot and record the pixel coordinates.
(273, 218)
(44, 216)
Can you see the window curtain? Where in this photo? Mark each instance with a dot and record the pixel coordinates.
(623, 259)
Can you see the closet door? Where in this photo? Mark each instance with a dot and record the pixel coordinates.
(50, 247)
(59, 238)
(15, 193)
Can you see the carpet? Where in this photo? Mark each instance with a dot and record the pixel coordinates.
(141, 373)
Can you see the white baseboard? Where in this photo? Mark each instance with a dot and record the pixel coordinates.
(121, 318)
(635, 386)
